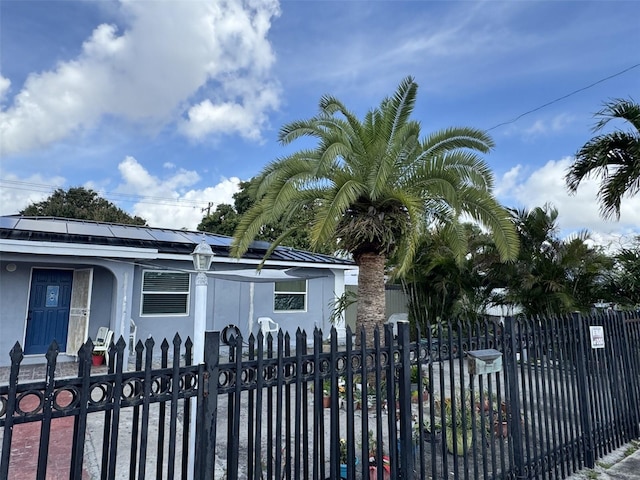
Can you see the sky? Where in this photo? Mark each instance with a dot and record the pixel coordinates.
(162, 107)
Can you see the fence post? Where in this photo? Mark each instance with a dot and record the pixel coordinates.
(582, 382)
(208, 411)
(513, 394)
(404, 397)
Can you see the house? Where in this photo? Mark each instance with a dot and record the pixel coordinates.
(63, 279)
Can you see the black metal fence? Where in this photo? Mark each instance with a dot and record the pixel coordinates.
(134, 434)
(304, 408)
(566, 394)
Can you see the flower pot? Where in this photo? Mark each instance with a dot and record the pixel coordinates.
(343, 469)
(326, 401)
(373, 472)
(97, 360)
(500, 429)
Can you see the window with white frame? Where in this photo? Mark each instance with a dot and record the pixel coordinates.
(290, 296)
(165, 293)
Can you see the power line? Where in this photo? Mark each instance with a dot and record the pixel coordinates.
(564, 96)
(149, 200)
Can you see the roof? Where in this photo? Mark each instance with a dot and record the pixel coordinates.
(88, 232)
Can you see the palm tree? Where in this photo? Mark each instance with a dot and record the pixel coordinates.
(552, 276)
(614, 157)
(376, 185)
(440, 287)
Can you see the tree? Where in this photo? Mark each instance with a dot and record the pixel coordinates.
(225, 219)
(376, 185)
(614, 157)
(439, 286)
(623, 280)
(82, 204)
(551, 276)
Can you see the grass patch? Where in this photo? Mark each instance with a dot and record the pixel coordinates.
(592, 474)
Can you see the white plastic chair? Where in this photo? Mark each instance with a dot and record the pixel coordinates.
(267, 325)
(102, 342)
(133, 330)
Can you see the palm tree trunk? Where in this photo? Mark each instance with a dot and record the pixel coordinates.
(371, 296)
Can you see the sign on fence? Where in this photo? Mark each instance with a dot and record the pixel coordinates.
(597, 336)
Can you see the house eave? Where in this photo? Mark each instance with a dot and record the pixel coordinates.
(79, 250)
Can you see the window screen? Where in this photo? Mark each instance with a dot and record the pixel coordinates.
(290, 296)
(165, 293)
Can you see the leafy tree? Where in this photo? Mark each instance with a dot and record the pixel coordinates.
(551, 276)
(614, 157)
(375, 186)
(82, 204)
(623, 281)
(438, 285)
(225, 219)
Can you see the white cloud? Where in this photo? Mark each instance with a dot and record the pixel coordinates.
(170, 202)
(5, 83)
(519, 188)
(18, 193)
(246, 118)
(170, 56)
(173, 194)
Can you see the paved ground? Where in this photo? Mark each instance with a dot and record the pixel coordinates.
(623, 463)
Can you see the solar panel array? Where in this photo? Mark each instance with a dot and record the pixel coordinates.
(165, 240)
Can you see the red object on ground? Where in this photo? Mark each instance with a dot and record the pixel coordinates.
(97, 360)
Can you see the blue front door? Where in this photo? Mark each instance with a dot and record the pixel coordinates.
(48, 315)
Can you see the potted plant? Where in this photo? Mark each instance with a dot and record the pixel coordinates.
(432, 433)
(97, 358)
(326, 393)
(501, 425)
(373, 460)
(461, 425)
(343, 458)
(415, 379)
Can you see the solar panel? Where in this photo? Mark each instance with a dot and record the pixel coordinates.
(8, 222)
(132, 233)
(48, 225)
(214, 240)
(169, 236)
(58, 229)
(89, 229)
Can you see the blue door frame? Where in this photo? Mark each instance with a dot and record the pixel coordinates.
(48, 315)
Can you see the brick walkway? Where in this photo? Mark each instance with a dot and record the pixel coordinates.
(25, 441)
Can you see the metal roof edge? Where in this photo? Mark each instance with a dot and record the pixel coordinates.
(75, 249)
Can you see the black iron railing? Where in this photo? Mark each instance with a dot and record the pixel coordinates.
(126, 402)
(399, 408)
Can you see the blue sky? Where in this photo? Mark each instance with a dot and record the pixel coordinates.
(163, 106)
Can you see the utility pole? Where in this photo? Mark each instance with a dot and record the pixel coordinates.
(207, 208)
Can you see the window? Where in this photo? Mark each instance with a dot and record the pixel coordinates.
(290, 296)
(165, 293)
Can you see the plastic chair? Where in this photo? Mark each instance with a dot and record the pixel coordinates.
(267, 325)
(133, 330)
(103, 341)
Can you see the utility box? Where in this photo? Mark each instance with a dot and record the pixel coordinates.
(481, 362)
